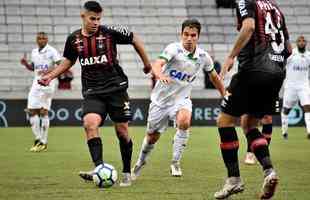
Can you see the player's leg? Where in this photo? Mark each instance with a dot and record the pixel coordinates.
(304, 97)
(267, 127)
(125, 144)
(289, 100)
(183, 120)
(45, 123)
(94, 113)
(229, 148)
(232, 106)
(157, 124)
(34, 119)
(249, 156)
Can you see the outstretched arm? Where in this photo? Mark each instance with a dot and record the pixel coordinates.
(217, 82)
(157, 71)
(24, 62)
(139, 47)
(64, 66)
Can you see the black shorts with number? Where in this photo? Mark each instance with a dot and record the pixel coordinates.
(115, 104)
(254, 93)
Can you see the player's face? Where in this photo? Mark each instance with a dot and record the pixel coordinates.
(91, 21)
(190, 38)
(301, 43)
(42, 40)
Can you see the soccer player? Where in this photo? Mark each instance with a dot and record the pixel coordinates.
(43, 59)
(104, 84)
(175, 70)
(296, 85)
(262, 47)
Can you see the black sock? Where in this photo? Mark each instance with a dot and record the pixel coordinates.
(229, 148)
(267, 132)
(249, 148)
(95, 149)
(259, 146)
(126, 153)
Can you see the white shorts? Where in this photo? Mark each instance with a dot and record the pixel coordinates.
(158, 118)
(38, 99)
(292, 95)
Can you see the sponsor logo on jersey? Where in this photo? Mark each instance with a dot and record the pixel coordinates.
(242, 8)
(93, 60)
(182, 76)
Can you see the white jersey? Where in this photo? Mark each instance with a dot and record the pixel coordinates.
(182, 67)
(297, 69)
(44, 60)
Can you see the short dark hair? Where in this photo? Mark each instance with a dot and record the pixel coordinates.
(192, 23)
(93, 6)
(42, 33)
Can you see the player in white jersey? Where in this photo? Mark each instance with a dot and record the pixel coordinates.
(175, 70)
(296, 85)
(43, 59)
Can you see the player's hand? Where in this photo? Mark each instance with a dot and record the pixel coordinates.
(23, 60)
(45, 80)
(147, 69)
(228, 64)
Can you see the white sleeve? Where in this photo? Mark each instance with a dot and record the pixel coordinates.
(169, 52)
(208, 65)
(55, 55)
(32, 59)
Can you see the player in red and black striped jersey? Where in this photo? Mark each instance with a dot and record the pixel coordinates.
(103, 81)
(262, 48)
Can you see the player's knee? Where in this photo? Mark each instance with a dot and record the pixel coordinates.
(91, 122)
(306, 108)
(267, 119)
(153, 138)
(225, 120)
(43, 112)
(184, 124)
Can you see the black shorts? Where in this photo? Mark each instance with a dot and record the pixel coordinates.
(115, 104)
(255, 93)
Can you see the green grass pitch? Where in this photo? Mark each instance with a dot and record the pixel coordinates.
(53, 174)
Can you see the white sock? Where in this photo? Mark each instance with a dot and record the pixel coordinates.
(307, 121)
(179, 143)
(35, 126)
(145, 151)
(284, 119)
(44, 129)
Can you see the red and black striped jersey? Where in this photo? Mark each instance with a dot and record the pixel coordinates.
(267, 49)
(97, 55)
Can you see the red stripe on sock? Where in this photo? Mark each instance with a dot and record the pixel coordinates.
(258, 142)
(230, 145)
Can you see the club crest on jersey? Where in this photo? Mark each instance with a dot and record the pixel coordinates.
(93, 60)
(182, 76)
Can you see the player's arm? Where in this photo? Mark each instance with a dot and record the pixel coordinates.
(246, 32)
(217, 82)
(157, 71)
(29, 66)
(64, 66)
(139, 47)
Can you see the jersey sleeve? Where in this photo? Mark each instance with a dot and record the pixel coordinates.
(169, 52)
(208, 64)
(70, 52)
(245, 9)
(56, 57)
(121, 34)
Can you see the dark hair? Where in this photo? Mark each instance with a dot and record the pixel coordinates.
(92, 6)
(42, 33)
(192, 23)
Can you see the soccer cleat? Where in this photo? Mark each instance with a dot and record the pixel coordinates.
(175, 170)
(126, 180)
(233, 185)
(86, 175)
(136, 171)
(285, 136)
(269, 185)
(250, 158)
(41, 147)
(33, 148)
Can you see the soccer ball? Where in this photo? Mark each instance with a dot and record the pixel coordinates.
(104, 175)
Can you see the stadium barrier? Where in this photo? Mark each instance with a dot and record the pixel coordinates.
(68, 113)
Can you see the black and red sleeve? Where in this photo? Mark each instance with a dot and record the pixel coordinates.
(70, 51)
(121, 34)
(245, 9)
